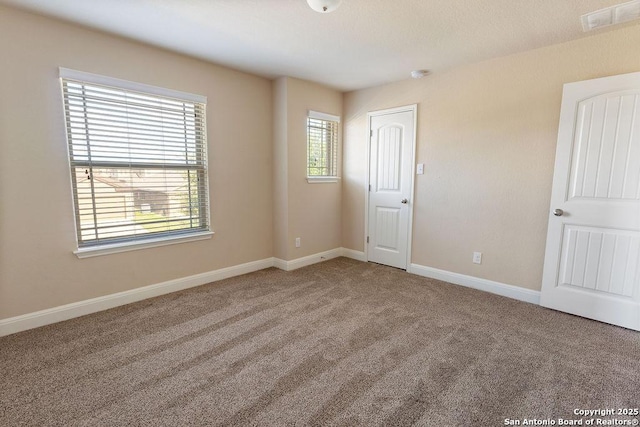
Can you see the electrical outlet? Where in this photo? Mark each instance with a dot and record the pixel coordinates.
(298, 242)
(420, 169)
(477, 257)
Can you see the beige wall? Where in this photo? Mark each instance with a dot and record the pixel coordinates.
(309, 211)
(37, 267)
(486, 133)
(280, 170)
(487, 136)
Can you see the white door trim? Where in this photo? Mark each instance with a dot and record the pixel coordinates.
(413, 108)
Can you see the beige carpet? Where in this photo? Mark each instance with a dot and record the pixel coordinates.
(339, 343)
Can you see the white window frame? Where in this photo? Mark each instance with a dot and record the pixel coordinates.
(133, 243)
(320, 179)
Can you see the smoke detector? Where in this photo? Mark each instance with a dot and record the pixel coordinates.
(611, 15)
(418, 74)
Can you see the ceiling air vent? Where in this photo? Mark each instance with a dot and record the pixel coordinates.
(611, 15)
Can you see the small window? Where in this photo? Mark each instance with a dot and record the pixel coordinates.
(322, 147)
(138, 161)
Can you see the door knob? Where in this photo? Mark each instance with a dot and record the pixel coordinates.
(558, 212)
(404, 201)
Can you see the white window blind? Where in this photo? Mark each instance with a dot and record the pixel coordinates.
(138, 161)
(322, 145)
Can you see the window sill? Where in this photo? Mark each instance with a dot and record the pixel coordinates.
(134, 246)
(322, 179)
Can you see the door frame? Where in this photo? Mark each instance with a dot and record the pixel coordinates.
(414, 109)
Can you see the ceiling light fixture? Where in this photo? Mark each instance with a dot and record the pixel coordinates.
(418, 74)
(324, 6)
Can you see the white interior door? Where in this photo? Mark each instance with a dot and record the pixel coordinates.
(391, 186)
(592, 260)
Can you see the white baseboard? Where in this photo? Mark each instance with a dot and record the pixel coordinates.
(316, 258)
(308, 260)
(353, 254)
(81, 308)
(280, 263)
(510, 291)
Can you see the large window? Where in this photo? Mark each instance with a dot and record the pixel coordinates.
(138, 161)
(322, 146)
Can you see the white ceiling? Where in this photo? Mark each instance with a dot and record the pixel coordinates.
(363, 43)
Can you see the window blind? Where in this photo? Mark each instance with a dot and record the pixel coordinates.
(322, 145)
(138, 163)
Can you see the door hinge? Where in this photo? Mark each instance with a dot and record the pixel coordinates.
(371, 133)
(367, 239)
(369, 187)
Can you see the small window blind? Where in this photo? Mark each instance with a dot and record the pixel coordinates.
(138, 162)
(322, 145)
